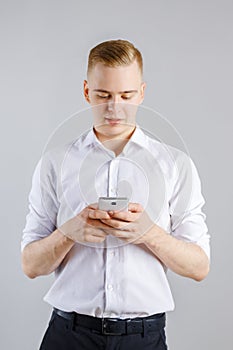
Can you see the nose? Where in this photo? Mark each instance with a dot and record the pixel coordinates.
(113, 104)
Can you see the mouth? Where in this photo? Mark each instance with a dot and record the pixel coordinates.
(112, 121)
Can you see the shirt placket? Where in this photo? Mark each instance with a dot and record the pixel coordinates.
(113, 177)
(111, 278)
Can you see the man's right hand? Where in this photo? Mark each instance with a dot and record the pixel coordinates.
(43, 256)
(86, 226)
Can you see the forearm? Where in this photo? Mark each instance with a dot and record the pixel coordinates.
(43, 256)
(184, 258)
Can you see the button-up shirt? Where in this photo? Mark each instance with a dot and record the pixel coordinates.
(112, 278)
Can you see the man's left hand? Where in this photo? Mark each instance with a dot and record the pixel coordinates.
(131, 226)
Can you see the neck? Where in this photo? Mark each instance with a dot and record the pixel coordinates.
(115, 143)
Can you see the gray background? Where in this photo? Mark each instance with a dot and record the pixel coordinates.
(188, 55)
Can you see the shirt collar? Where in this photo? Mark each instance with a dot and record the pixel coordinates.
(138, 137)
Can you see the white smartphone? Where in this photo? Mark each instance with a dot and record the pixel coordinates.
(113, 203)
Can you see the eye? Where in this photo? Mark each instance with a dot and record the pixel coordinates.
(103, 96)
(126, 97)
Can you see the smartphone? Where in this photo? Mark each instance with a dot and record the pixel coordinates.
(113, 203)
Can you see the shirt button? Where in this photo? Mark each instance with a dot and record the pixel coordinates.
(110, 287)
(112, 253)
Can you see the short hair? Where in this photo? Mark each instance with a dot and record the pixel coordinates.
(114, 53)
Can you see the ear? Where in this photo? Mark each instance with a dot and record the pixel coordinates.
(142, 92)
(86, 91)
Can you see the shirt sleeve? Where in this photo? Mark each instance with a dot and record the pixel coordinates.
(43, 204)
(188, 222)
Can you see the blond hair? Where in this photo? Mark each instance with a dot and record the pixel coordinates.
(114, 53)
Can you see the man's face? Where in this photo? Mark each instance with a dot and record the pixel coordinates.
(114, 94)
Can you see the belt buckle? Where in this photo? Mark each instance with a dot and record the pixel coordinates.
(105, 326)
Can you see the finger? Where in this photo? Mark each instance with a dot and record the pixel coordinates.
(118, 224)
(121, 234)
(126, 216)
(96, 224)
(93, 206)
(98, 214)
(135, 207)
(95, 232)
(99, 234)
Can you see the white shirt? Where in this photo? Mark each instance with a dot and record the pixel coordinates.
(114, 279)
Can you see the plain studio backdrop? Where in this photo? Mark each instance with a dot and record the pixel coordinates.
(188, 53)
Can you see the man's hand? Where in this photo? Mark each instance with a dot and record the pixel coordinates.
(43, 256)
(135, 226)
(87, 226)
(131, 226)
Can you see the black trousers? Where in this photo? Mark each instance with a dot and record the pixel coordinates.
(61, 334)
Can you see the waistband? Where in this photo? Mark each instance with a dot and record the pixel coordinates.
(115, 326)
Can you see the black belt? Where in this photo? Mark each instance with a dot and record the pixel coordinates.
(115, 326)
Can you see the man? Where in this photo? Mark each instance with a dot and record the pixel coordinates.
(111, 290)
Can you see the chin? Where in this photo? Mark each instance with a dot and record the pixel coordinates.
(109, 131)
(115, 130)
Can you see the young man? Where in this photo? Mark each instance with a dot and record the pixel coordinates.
(111, 290)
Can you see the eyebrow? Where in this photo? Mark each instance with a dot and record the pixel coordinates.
(120, 92)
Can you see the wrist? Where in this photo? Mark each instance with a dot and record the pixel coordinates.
(66, 239)
(155, 237)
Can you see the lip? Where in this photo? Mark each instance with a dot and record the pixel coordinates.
(113, 121)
